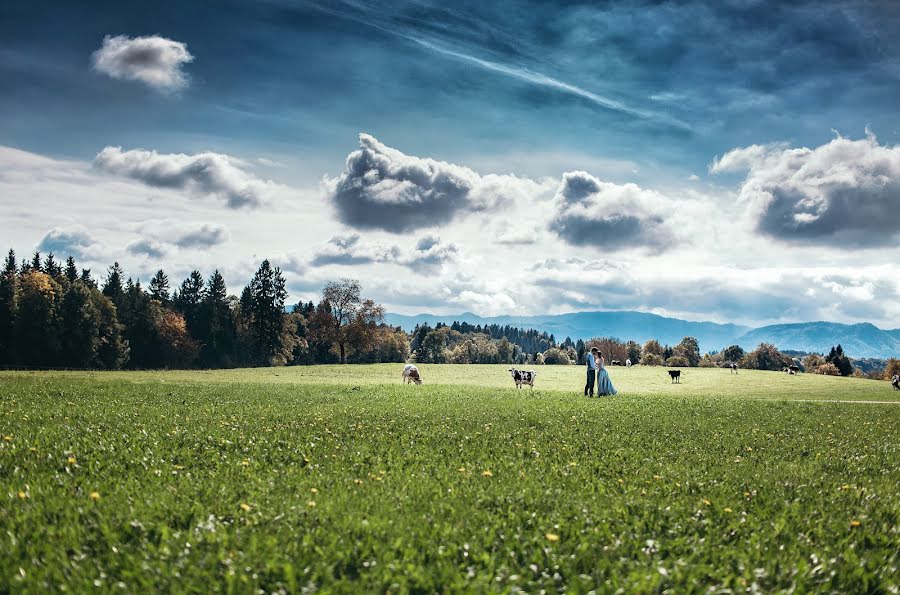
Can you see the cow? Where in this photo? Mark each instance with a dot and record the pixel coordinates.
(616, 362)
(733, 367)
(521, 377)
(791, 370)
(676, 375)
(411, 374)
(895, 381)
(628, 363)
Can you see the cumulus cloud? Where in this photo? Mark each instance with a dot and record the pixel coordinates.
(431, 253)
(590, 212)
(846, 191)
(351, 250)
(212, 174)
(162, 237)
(382, 188)
(149, 248)
(153, 60)
(74, 240)
(428, 254)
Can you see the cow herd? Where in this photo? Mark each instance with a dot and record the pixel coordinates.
(523, 377)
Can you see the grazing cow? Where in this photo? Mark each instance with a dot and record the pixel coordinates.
(676, 375)
(523, 377)
(791, 370)
(895, 381)
(733, 367)
(616, 362)
(628, 363)
(411, 374)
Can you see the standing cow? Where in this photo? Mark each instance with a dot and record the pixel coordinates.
(521, 377)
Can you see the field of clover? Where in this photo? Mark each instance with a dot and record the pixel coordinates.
(343, 479)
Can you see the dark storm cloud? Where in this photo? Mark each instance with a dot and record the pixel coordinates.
(590, 212)
(845, 192)
(382, 188)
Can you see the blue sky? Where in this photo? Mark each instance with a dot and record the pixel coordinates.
(641, 155)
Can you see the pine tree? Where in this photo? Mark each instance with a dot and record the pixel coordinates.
(113, 288)
(52, 268)
(188, 300)
(36, 262)
(71, 270)
(159, 287)
(87, 279)
(8, 307)
(217, 328)
(263, 308)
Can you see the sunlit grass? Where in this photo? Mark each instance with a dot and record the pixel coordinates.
(343, 478)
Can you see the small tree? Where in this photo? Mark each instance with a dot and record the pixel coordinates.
(159, 287)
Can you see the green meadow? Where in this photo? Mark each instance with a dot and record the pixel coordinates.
(343, 479)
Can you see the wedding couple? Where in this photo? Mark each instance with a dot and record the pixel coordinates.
(596, 369)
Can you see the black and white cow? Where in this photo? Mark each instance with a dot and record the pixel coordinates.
(791, 370)
(895, 381)
(411, 374)
(734, 368)
(523, 377)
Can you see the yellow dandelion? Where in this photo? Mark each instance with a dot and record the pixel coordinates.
(727, 509)
(657, 477)
(71, 460)
(22, 495)
(845, 487)
(95, 496)
(552, 537)
(245, 507)
(573, 464)
(311, 504)
(487, 473)
(245, 462)
(462, 469)
(707, 502)
(314, 490)
(855, 523)
(358, 481)
(32, 449)
(7, 438)
(179, 467)
(643, 492)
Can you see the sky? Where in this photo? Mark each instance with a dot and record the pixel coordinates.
(735, 161)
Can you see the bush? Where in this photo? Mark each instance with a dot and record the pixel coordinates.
(652, 359)
(556, 357)
(892, 368)
(828, 369)
(678, 360)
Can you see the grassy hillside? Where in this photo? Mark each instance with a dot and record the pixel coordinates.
(342, 478)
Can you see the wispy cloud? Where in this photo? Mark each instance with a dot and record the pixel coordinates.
(372, 19)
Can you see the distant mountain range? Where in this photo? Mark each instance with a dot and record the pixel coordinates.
(858, 340)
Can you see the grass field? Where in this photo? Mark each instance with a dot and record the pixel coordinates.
(344, 480)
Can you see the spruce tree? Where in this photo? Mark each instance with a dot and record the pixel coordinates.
(36, 262)
(8, 306)
(71, 270)
(159, 287)
(188, 300)
(265, 296)
(113, 288)
(217, 328)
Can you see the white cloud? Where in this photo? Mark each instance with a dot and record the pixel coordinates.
(590, 212)
(845, 192)
(70, 240)
(212, 174)
(382, 188)
(153, 60)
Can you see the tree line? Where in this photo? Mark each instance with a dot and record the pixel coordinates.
(54, 314)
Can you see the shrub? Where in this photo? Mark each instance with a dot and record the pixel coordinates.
(828, 369)
(678, 360)
(556, 357)
(652, 359)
